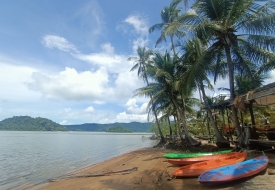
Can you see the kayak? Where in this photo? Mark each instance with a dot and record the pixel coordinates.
(191, 155)
(236, 171)
(194, 170)
(186, 161)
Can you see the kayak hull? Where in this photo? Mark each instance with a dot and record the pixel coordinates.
(187, 161)
(236, 171)
(194, 170)
(191, 155)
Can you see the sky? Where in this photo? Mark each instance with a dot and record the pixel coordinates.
(67, 60)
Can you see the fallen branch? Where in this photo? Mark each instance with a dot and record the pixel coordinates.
(121, 172)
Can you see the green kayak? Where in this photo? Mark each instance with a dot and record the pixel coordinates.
(191, 155)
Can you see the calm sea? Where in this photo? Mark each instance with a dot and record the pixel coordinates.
(28, 159)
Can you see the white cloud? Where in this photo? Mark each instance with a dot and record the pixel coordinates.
(107, 48)
(139, 42)
(271, 77)
(99, 102)
(135, 25)
(124, 117)
(52, 41)
(72, 85)
(141, 28)
(64, 122)
(139, 23)
(90, 109)
(126, 83)
(132, 107)
(112, 62)
(12, 81)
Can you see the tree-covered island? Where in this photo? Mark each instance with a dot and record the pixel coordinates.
(27, 123)
(118, 129)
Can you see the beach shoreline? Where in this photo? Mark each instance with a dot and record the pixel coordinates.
(147, 169)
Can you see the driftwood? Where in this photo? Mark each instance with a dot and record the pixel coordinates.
(121, 172)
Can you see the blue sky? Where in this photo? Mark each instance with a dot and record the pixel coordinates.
(67, 60)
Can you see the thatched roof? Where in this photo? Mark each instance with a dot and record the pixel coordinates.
(263, 96)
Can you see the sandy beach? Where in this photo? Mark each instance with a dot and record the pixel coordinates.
(146, 169)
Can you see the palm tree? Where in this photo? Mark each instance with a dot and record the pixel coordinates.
(166, 85)
(198, 66)
(142, 62)
(168, 26)
(165, 109)
(245, 83)
(242, 29)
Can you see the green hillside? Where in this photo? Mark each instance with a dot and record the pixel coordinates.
(27, 123)
(118, 129)
(133, 126)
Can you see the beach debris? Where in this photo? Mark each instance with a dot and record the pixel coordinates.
(108, 173)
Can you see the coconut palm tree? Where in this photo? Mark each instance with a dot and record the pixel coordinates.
(142, 63)
(165, 108)
(242, 29)
(165, 85)
(168, 26)
(245, 83)
(197, 62)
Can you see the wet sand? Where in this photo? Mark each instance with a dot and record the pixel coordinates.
(146, 169)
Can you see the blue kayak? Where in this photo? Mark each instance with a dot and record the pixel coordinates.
(235, 171)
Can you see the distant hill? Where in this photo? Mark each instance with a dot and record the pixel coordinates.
(118, 129)
(27, 123)
(133, 126)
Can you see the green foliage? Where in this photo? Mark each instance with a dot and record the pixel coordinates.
(164, 128)
(27, 123)
(118, 129)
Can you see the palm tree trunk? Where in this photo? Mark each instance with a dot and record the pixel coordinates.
(162, 139)
(232, 93)
(173, 46)
(158, 125)
(183, 120)
(177, 125)
(221, 141)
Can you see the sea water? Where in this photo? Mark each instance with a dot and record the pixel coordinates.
(29, 159)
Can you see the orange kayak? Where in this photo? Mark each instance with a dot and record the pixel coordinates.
(186, 161)
(197, 169)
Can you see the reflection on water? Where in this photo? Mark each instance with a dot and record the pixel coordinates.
(30, 158)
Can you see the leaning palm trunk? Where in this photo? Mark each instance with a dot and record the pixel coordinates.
(162, 139)
(221, 141)
(232, 94)
(158, 125)
(188, 138)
